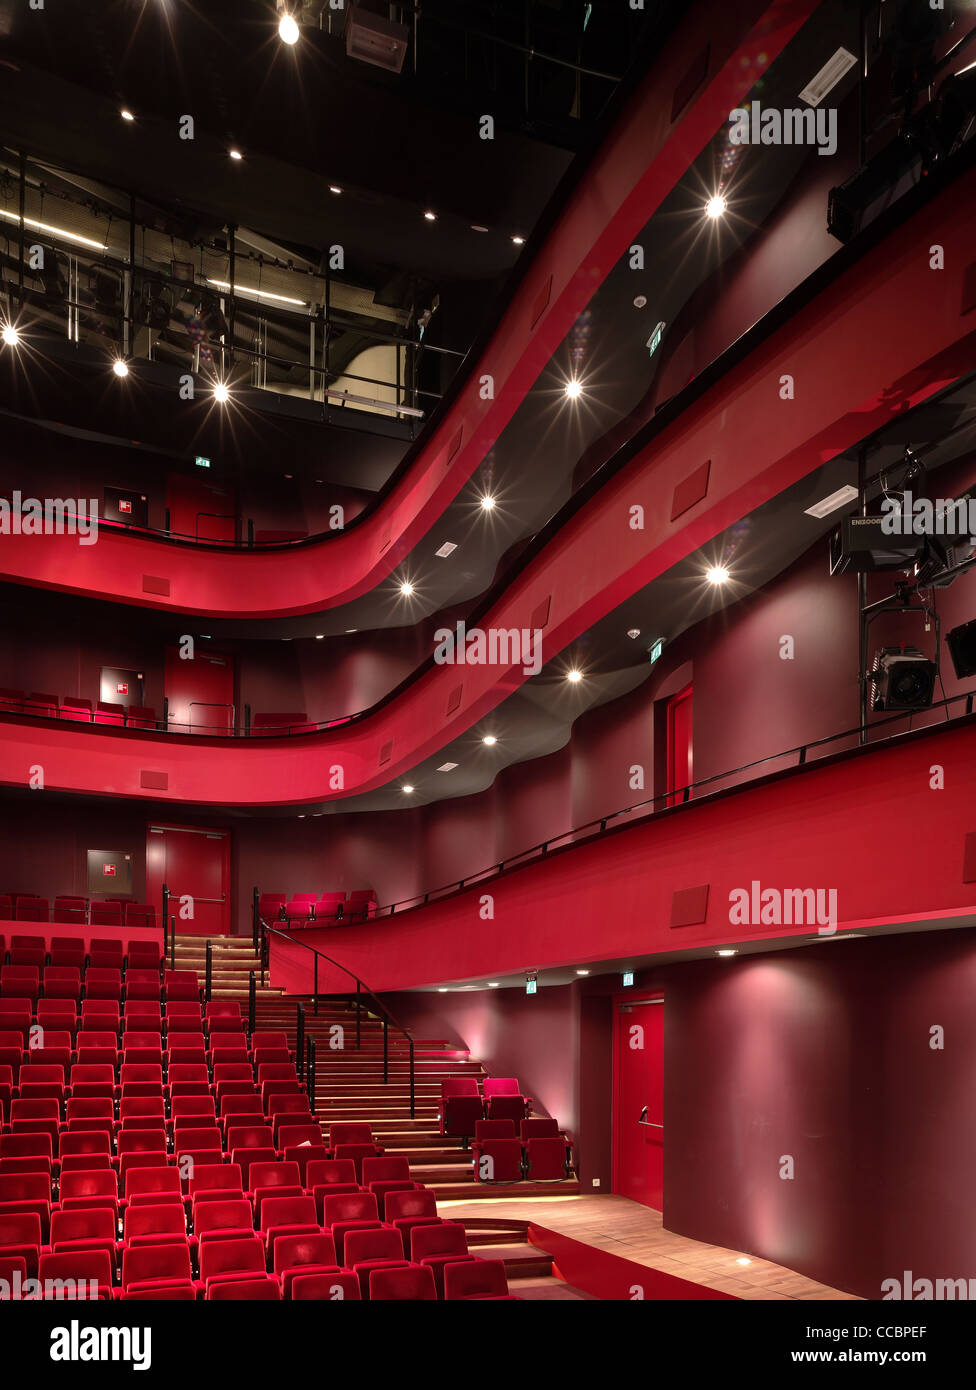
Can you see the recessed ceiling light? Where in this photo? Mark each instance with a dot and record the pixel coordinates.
(126, 115)
(476, 228)
(574, 676)
(10, 335)
(235, 154)
(288, 30)
(442, 991)
(448, 548)
(633, 633)
(725, 953)
(718, 574)
(574, 390)
(334, 188)
(352, 629)
(319, 636)
(119, 367)
(519, 240)
(829, 504)
(715, 207)
(492, 984)
(582, 972)
(430, 216)
(640, 301)
(406, 588)
(408, 789)
(221, 393)
(490, 740)
(487, 503)
(447, 767)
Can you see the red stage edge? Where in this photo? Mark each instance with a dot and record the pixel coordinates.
(614, 1279)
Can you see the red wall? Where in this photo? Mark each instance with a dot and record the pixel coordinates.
(825, 1055)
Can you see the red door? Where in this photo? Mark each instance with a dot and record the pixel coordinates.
(680, 761)
(200, 692)
(638, 1102)
(200, 510)
(195, 866)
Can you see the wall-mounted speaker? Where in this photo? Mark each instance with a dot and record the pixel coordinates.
(961, 642)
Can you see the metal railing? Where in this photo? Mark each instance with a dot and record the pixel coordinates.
(679, 796)
(362, 992)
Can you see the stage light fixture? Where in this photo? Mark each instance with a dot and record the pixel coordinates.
(221, 393)
(430, 216)
(406, 588)
(235, 154)
(126, 114)
(489, 740)
(903, 679)
(519, 240)
(716, 207)
(574, 390)
(119, 367)
(487, 503)
(10, 335)
(334, 188)
(717, 574)
(407, 789)
(574, 677)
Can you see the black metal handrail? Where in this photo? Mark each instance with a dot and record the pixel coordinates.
(680, 795)
(361, 989)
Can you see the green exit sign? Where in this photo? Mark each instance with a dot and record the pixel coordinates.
(657, 649)
(202, 461)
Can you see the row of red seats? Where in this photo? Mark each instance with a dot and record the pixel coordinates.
(30, 907)
(348, 1254)
(100, 982)
(31, 1017)
(92, 1046)
(328, 909)
(70, 950)
(69, 707)
(540, 1153)
(463, 1104)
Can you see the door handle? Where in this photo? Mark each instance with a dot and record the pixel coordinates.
(648, 1124)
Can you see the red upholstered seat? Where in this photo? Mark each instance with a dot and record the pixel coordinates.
(475, 1279)
(369, 1250)
(326, 1287)
(407, 1284)
(303, 1254)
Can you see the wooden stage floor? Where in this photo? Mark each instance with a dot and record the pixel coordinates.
(635, 1232)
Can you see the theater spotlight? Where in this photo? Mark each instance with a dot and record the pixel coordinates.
(715, 207)
(10, 336)
(119, 367)
(288, 30)
(221, 393)
(903, 679)
(961, 642)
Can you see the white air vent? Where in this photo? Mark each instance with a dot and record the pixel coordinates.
(826, 505)
(373, 39)
(448, 548)
(828, 77)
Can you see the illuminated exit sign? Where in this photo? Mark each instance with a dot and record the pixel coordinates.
(202, 461)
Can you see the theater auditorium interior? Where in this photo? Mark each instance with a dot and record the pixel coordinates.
(535, 439)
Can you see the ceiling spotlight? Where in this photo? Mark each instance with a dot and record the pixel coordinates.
(725, 953)
(476, 228)
(119, 367)
(126, 115)
(715, 206)
(288, 30)
(442, 990)
(334, 188)
(319, 636)
(519, 240)
(221, 393)
(487, 503)
(235, 154)
(574, 390)
(406, 588)
(430, 216)
(582, 972)
(574, 676)
(640, 301)
(718, 574)
(489, 740)
(10, 335)
(633, 633)
(408, 789)
(492, 984)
